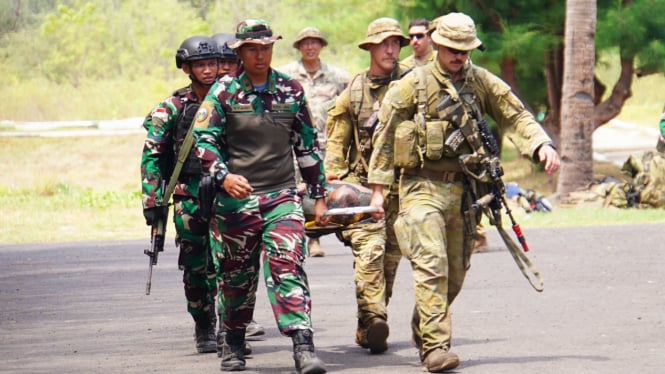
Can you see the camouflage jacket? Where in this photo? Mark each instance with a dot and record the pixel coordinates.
(352, 110)
(159, 149)
(491, 94)
(236, 96)
(321, 90)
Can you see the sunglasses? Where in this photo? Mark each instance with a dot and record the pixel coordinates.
(416, 36)
(457, 52)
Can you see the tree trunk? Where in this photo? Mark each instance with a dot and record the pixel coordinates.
(577, 102)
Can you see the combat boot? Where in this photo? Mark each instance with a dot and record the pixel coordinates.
(377, 335)
(204, 332)
(314, 248)
(440, 360)
(221, 333)
(233, 354)
(303, 353)
(254, 329)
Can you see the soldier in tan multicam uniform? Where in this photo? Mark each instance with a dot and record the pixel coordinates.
(322, 83)
(430, 226)
(350, 126)
(421, 44)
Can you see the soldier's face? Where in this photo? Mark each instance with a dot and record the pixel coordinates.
(256, 58)
(419, 40)
(205, 71)
(384, 56)
(451, 59)
(227, 67)
(310, 48)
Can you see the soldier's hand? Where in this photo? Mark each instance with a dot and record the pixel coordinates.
(331, 177)
(320, 208)
(377, 202)
(154, 214)
(237, 186)
(548, 155)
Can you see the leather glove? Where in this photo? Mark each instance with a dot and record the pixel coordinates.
(152, 215)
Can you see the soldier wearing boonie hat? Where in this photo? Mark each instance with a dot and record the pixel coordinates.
(351, 123)
(433, 186)
(250, 131)
(322, 82)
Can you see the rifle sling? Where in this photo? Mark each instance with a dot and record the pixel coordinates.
(521, 260)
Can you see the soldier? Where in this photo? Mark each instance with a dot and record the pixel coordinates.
(247, 132)
(421, 43)
(322, 83)
(228, 65)
(350, 126)
(430, 226)
(167, 125)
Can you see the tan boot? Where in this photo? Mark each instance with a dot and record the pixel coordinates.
(480, 244)
(440, 360)
(314, 248)
(377, 336)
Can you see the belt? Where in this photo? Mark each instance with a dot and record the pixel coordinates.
(439, 176)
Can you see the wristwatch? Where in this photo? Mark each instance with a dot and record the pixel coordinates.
(219, 178)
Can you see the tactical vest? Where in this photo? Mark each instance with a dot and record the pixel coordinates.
(364, 104)
(192, 165)
(443, 140)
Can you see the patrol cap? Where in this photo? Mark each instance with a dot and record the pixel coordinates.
(309, 32)
(380, 29)
(253, 30)
(457, 31)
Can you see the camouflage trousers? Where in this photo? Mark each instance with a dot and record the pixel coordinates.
(376, 258)
(267, 227)
(430, 232)
(195, 260)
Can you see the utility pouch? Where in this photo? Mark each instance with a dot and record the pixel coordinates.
(406, 149)
(433, 140)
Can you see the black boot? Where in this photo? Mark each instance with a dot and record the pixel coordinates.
(204, 331)
(221, 333)
(303, 353)
(233, 355)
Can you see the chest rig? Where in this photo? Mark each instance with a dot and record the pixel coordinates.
(190, 106)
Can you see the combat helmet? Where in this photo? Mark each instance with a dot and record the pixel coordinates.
(196, 48)
(223, 40)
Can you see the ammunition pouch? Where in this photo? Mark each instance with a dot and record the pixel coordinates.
(406, 149)
(434, 140)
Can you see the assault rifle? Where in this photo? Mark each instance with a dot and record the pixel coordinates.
(157, 235)
(484, 167)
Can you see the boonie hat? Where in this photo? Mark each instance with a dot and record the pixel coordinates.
(309, 32)
(256, 31)
(380, 29)
(457, 31)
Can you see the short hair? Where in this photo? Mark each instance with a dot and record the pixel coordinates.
(419, 22)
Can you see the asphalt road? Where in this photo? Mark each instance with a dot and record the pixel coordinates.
(81, 308)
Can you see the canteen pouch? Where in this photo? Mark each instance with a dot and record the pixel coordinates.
(406, 150)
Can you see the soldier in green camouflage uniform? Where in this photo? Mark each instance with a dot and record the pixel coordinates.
(350, 126)
(322, 83)
(167, 126)
(247, 131)
(430, 227)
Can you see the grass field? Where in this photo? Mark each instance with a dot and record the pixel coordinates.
(88, 188)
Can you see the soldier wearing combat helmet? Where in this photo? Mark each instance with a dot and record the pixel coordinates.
(430, 227)
(350, 126)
